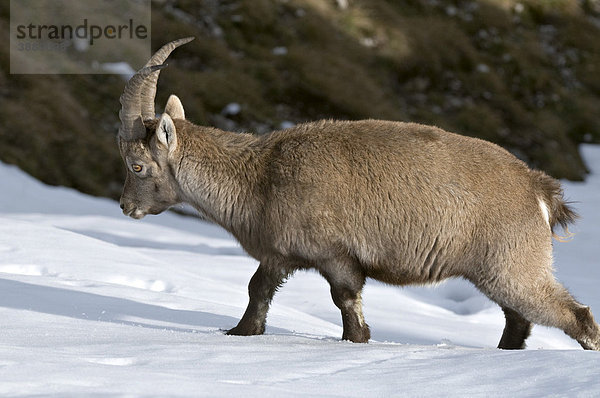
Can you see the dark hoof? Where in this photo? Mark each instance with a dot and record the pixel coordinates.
(357, 335)
(245, 331)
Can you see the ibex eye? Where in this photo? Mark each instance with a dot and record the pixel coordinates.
(136, 167)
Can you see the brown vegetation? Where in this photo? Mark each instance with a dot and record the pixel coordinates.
(522, 74)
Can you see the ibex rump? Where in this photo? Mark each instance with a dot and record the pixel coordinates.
(398, 202)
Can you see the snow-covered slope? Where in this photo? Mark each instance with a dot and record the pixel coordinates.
(94, 303)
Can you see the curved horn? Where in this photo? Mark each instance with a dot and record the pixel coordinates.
(148, 91)
(132, 126)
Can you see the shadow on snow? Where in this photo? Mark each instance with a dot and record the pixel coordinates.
(95, 307)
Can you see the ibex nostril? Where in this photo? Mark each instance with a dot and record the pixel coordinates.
(122, 206)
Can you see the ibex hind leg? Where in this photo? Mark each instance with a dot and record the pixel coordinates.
(516, 330)
(559, 309)
(544, 301)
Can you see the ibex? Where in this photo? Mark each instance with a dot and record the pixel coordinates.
(402, 203)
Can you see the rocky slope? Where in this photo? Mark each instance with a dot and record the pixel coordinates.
(523, 74)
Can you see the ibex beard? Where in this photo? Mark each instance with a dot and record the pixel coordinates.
(401, 203)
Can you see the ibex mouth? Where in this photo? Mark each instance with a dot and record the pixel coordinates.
(135, 213)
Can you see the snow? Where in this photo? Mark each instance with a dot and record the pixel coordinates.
(280, 50)
(119, 68)
(233, 108)
(94, 303)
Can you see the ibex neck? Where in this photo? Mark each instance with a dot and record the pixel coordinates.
(218, 174)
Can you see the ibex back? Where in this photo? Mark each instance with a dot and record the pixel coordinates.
(398, 202)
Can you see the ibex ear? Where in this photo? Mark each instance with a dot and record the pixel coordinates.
(174, 108)
(165, 132)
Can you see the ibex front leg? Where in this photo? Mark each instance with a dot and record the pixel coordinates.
(261, 289)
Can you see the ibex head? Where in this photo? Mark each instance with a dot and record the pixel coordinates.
(147, 145)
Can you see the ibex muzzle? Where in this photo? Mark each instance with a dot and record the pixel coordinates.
(402, 203)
